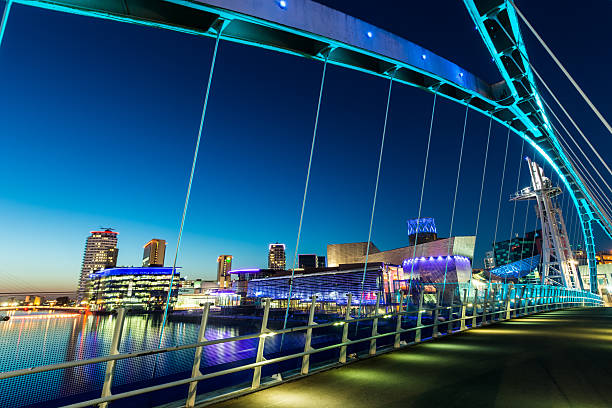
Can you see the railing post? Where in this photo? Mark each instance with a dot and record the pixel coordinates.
(436, 315)
(260, 345)
(508, 292)
(345, 327)
(114, 349)
(462, 325)
(417, 333)
(398, 325)
(375, 326)
(195, 370)
(306, 357)
(449, 325)
(475, 309)
(485, 306)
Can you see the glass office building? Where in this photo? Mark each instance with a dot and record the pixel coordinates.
(142, 289)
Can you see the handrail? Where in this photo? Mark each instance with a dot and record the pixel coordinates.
(497, 305)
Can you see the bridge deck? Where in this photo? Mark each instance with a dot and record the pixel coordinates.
(558, 359)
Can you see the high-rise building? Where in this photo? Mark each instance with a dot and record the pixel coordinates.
(276, 256)
(100, 253)
(224, 265)
(154, 253)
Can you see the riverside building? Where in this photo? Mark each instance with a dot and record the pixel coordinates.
(141, 289)
(100, 253)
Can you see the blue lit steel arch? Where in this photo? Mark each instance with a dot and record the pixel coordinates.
(311, 30)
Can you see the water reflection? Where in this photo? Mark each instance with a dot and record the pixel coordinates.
(33, 339)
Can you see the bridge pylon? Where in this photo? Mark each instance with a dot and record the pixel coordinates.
(558, 263)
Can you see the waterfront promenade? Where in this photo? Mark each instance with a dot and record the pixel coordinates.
(554, 359)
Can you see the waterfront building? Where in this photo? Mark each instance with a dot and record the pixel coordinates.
(224, 265)
(276, 256)
(518, 248)
(216, 297)
(330, 286)
(243, 276)
(135, 288)
(100, 253)
(196, 286)
(154, 253)
(338, 254)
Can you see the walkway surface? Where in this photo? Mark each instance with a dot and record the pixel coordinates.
(555, 359)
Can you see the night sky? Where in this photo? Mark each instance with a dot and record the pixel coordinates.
(99, 119)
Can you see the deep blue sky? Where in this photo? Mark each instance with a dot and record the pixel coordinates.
(98, 122)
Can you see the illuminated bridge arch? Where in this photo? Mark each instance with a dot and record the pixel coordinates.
(311, 30)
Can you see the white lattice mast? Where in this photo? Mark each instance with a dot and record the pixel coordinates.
(558, 264)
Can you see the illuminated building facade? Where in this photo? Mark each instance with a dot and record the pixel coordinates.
(154, 253)
(100, 253)
(276, 256)
(517, 249)
(338, 254)
(224, 265)
(331, 286)
(421, 230)
(134, 288)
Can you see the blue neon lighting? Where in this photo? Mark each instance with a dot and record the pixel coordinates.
(517, 269)
(421, 225)
(134, 271)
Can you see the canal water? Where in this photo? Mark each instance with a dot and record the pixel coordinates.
(38, 338)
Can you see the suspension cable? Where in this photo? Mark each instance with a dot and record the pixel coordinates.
(518, 180)
(380, 156)
(193, 166)
(433, 111)
(450, 234)
(576, 143)
(312, 145)
(5, 15)
(484, 172)
(567, 74)
(501, 189)
(558, 103)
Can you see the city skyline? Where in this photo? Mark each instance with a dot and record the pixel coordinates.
(52, 192)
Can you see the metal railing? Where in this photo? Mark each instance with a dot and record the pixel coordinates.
(500, 302)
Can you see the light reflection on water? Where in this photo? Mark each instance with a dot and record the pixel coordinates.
(28, 342)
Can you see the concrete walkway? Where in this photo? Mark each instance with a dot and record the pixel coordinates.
(555, 359)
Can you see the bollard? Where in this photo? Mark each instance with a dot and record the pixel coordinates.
(260, 345)
(195, 369)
